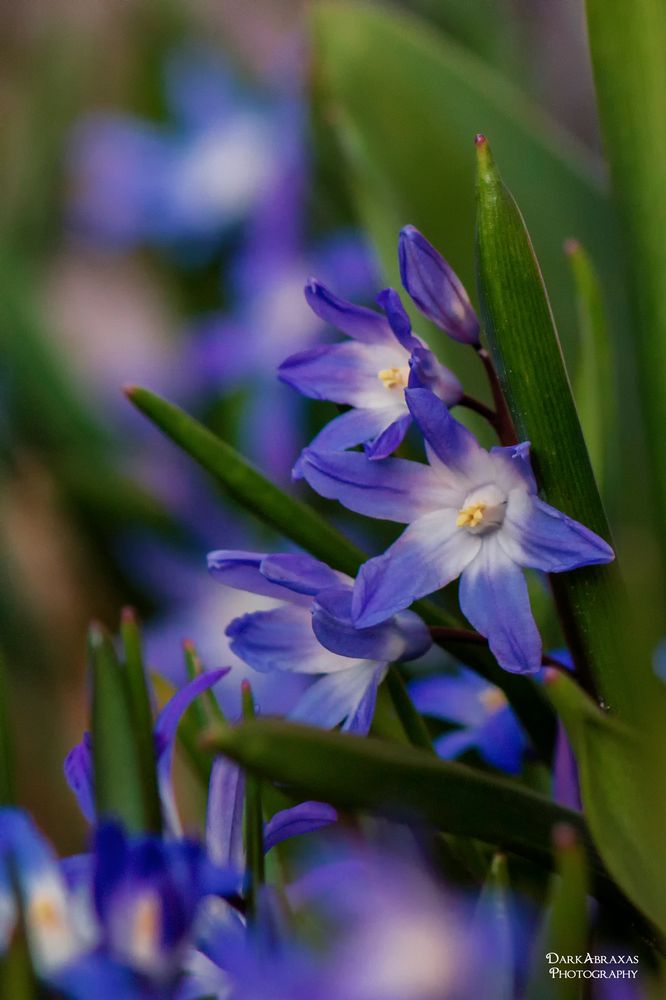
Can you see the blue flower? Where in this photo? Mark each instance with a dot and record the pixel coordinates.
(312, 633)
(486, 721)
(369, 372)
(471, 513)
(435, 287)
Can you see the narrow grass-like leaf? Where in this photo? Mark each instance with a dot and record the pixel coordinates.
(119, 789)
(304, 526)
(253, 818)
(521, 335)
(402, 100)
(142, 716)
(593, 383)
(628, 42)
(369, 774)
(496, 975)
(565, 927)
(623, 798)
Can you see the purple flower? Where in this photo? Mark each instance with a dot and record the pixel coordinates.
(485, 720)
(369, 372)
(471, 513)
(435, 287)
(312, 632)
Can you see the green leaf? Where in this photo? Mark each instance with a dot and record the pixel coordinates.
(565, 928)
(404, 102)
(304, 526)
(248, 486)
(367, 774)
(627, 43)
(119, 788)
(496, 976)
(623, 796)
(18, 980)
(253, 818)
(142, 716)
(522, 339)
(594, 388)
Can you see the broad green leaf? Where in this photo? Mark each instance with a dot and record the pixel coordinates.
(593, 384)
(119, 788)
(6, 753)
(628, 42)
(304, 526)
(623, 794)
(142, 716)
(521, 336)
(565, 928)
(404, 103)
(367, 774)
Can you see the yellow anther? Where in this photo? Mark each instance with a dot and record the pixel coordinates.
(394, 378)
(492, 699)
(472, 516)
(44, 912)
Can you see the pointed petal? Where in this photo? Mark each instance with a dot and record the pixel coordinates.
(452, 444)
(224, 814)
(391, 438)
(344, 373)
(435, 287)
(242, 571)
(362, 324)
(430, 553)
(426, 372)
(352, 428)
(453, 744)
(402, 637)
(455, 697)
(537, 535)
(398, 318)
(493, 597)
(337, 697)
(394, 489)
(306, 817)
(282, 639)
(514, 467)
(300, 573)
(501, 741)
(79, 776)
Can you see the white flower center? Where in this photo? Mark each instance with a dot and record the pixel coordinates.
(394, 378)
(483, 510)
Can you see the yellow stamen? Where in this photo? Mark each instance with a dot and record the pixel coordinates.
(44, 912)
(470, 517)
(393, 378)
(492, 699)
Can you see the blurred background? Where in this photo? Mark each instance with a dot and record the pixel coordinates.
(171, 174)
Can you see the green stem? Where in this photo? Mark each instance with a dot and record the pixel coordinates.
(412, 721)
(254, 820)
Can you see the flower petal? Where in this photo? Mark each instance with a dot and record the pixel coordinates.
(402, 637)
(537, 535)
(338, 697)
(349, 429)
(282, 639)
(514, 467)
(493, 597)
(430, 553)
(242, 571)
(426, 372)
(362, 324)
(398, 318)
(502, 742)
(306, 817)
(78, 769)
(454, 697)
(452, 444)
(300, 573)
(344, 373)
(224, 814)
(435, 287)
(390, 438)
(394, 489)
(453, 744)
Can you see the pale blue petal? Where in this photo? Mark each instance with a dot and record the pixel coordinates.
(306, 817)
(493, 597)
(430, 553)
(282, 639)
(362, 324)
